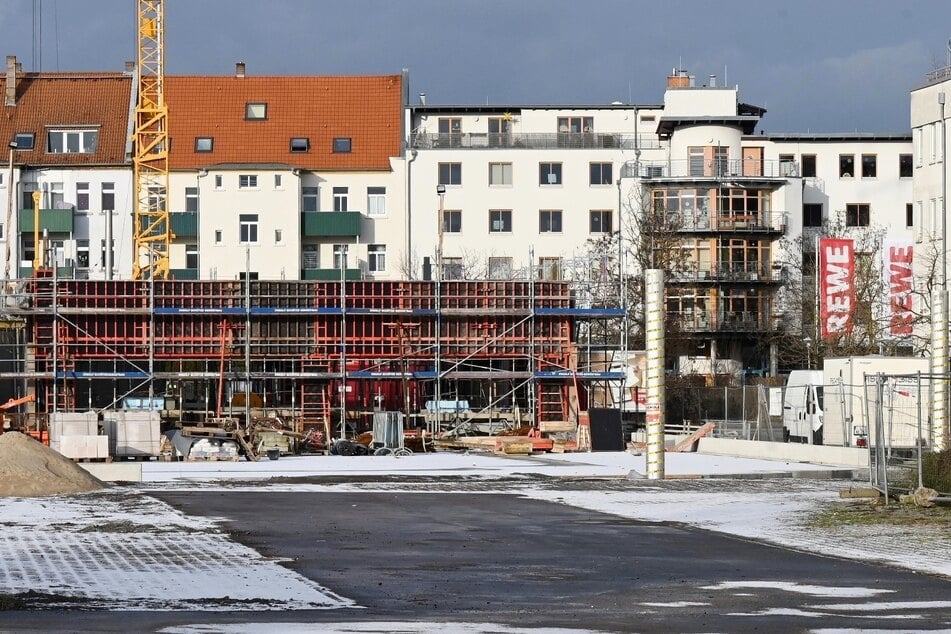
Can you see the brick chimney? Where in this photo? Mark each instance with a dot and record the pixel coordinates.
(678, 79)
(11, 93)
(239, 69)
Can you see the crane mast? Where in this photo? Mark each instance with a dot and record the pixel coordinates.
(152, 230)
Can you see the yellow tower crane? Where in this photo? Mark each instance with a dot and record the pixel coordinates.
(152, 229)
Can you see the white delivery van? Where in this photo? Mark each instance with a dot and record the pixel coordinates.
(802, 407)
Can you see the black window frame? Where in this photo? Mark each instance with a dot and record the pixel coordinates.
(342, 145)
(812, 214)
(858, 214)
(906, 165)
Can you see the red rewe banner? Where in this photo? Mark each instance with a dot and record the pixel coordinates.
(897, 261)
(836, 286)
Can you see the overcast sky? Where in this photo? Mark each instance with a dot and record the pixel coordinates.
(815, 65)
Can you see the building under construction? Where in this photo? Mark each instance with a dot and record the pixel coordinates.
(318, 354)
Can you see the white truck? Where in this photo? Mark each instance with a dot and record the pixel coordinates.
(853, 402)
(839, 405)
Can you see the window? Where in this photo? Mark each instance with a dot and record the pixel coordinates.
(300, 144)
(248, 228)
(310, 199)
(191, 200)
(57, 196)
(787, 165)
(310, 257)
(450, 132)
(452, 221)
(846, 165)
(82, 196)
(500, 268)
(500, 221)
(869, 165)
(934, 142)
(108, 197)
(102, 252)
(247, 181)
(549, 268)
(255, 111)
(809, 165)
(342, 145)
(549, 221)
(191, 256)
(156, 198)
(857, 215)
(341, 198)
(204, 143)
(601, 174)
(25, 140)
(376, 201)
(909, 215)
(340, 256)
(26, 191)
(376, 258)
(499, 130)
(600, 220)
(904, 166)
(812, 214)
(450, 173)
(452, 268)
(549, 173)
(82, 254)
(219, 181)
(278, 181)
(218, 237)
(575, 125)
(500, 173)
(72, 141)
(278, 236)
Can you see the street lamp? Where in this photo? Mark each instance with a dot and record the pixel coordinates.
(11, 192)
(808, 342)
(441, 192)
(342, 253)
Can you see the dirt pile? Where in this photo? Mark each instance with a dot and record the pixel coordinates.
(29, 468)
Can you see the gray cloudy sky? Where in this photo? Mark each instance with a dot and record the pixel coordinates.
(816, 65)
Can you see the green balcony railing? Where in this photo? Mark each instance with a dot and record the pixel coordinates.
(330, 275)
(183, 274)
(184, 225)
(51, 220)
(330, 224)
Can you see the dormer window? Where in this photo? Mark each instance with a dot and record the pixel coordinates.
(300, 144)
(342, 144)
(204, 143)
(25, 140)
(255, 111)
(72, 141)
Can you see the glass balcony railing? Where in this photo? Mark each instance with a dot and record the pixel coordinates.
(746, 221)
(701, 169)
(722, 321)
(534, 140)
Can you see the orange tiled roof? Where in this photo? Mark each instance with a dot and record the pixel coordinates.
(366, 109)
(68, 99)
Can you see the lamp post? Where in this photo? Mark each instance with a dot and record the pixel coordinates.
(808, 342)
(441, 192)
(11, 193)
(342, 253)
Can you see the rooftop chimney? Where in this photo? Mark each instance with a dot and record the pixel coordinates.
(11, 96)
(422, 99)
(713, 81)
(129, 66)
(678, 79)
(239, 69)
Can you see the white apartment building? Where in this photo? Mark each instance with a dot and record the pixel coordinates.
(68, 140)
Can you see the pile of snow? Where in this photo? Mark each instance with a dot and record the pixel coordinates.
(29, 468)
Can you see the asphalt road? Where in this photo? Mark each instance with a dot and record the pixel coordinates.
(504, 559)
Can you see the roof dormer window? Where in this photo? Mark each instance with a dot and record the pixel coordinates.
(255, 111)
(72, 141)
(300, 144)
(24, 140)
(204, 143)
(342, 144)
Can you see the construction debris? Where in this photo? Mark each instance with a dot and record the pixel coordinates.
(29, 469)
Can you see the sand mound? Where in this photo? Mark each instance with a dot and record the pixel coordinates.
(29, 468)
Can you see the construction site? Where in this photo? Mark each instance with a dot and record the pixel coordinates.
(311, 360)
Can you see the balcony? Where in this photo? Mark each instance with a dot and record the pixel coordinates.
(330, 224)
(731, 222)
(722, 322)
(184, 225)
(534, 140)
(51, 220)
(727, 272)
(331, 275)
(706, 170)
(183, 274)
